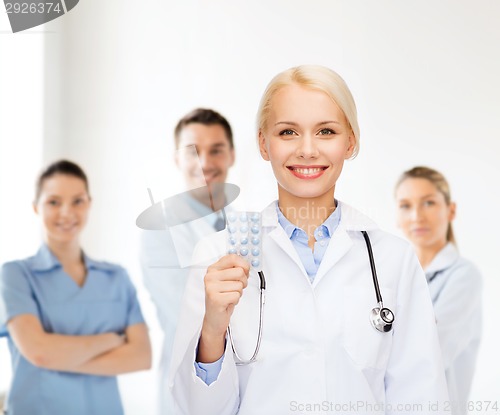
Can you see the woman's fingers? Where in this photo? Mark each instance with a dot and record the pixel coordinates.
(225, 281)
(226, 275)
(230, 261)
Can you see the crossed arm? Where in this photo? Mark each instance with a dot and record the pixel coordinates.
(106, 354)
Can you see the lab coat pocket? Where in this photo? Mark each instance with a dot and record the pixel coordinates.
(366, 346)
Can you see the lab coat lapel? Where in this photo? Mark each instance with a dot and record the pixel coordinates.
(279, 236)
(338, 247)
(341, 242)
(271, 226)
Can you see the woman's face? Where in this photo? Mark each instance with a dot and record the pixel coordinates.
(423, 214)
(306, 139)
(63, 207)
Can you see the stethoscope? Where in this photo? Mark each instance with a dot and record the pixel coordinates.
(381, 317)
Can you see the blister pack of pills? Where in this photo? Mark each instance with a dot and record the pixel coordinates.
(244, 237)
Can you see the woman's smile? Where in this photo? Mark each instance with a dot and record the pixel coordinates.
(307, 172)
(307, 138)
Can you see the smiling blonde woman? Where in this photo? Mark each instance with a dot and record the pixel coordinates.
(319, 351)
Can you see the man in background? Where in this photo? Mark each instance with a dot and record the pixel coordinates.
(205, 152)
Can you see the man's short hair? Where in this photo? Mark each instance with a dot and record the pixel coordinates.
(203, 116)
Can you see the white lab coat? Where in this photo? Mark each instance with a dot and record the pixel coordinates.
(318, 345)
(165, 257)
(456, 294)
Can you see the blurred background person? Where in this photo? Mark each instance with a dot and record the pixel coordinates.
(73, 323)
(205, 153)
(425, 215)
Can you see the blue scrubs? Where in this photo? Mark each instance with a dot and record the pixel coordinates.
(107, 302)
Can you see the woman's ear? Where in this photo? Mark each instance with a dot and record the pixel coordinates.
(262, 146)
(35, 207)
(352, 145)
(452, 210)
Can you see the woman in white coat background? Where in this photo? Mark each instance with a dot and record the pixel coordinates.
(425, 214)
(319, 351)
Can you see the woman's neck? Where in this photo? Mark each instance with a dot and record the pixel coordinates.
(427, 253)
(306, 213)
(68, 253)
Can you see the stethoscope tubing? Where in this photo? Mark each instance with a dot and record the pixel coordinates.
(374, 270)
(387, 315)
(237, 359)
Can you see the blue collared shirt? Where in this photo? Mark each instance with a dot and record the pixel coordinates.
(311, 260)
(106, 302)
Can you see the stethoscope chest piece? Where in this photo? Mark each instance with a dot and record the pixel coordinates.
(382, 319)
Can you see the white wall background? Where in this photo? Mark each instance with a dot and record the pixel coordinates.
(21, 141)
(118, 74)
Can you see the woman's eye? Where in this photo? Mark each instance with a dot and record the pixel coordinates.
(429, 203)
(78, 201)
(404, 206)
(287, 132)
(326, 131)
(52, 202)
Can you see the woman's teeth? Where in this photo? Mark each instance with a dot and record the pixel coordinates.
(308, 171)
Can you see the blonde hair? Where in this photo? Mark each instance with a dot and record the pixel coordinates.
(318, 78)
(438, 180)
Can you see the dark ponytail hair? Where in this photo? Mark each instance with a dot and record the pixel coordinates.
(65, 167)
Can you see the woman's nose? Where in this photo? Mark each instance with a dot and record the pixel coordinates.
(307, 147)
(66, 210)
(416, 213)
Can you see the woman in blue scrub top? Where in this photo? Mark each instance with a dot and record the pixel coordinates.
(73, 323)
(425, 213)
